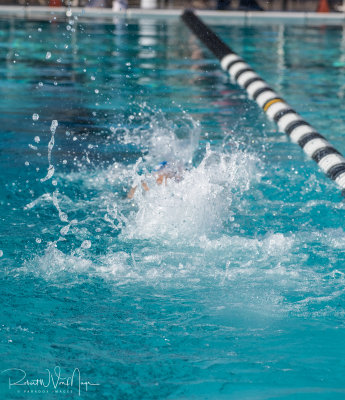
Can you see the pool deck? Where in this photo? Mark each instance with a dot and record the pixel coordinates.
(210, 16)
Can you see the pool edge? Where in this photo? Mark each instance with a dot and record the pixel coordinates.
(210, 16)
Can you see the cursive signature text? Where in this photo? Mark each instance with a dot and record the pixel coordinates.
(50, 380)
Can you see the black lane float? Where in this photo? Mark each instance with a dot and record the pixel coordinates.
(288, 120)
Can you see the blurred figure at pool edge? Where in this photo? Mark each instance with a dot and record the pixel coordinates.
(120, 5)
(249, 5)
(223, 4)
(244, 5)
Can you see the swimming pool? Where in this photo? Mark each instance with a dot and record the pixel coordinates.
(227, 284)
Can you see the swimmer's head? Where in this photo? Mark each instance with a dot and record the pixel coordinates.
(162, 165)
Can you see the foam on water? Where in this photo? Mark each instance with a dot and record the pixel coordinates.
(268, 275)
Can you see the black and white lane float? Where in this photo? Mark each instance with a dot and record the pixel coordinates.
(288, 120)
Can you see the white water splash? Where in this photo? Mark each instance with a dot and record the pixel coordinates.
(86, 244)
(198, 204)
(54, 199)
(64, 230)
(44, 197)
(160, 138)
(51, 169)
(181, 235)
(62, 215)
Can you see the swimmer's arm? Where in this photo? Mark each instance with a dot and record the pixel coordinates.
(131, 193)
(145, 186)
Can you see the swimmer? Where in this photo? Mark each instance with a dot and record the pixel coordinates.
(162, 173)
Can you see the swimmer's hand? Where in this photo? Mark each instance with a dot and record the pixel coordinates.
(131, 193)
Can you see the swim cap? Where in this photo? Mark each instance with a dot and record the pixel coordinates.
(161, 166)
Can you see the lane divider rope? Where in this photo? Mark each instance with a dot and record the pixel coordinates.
(330, 161)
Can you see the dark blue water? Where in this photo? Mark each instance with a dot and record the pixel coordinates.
(228, 283)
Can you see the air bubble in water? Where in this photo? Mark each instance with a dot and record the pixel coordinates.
(86, 244)
(35, 117)
(38, 240)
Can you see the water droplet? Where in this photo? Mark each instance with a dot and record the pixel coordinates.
(38, 240)
(37, 139)
(48, 55)
(53, 126)
(40, 84)
(27, 163)
(65, 229)
(86, 244)
(96, 91)
(35, 117)
(93, 78)
(1, 253)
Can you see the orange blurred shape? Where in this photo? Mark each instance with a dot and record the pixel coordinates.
(55, 3)
(323, 6)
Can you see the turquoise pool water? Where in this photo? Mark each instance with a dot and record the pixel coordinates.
(227, 284)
